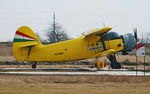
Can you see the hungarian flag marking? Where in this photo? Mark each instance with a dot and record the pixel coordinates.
(21, 37)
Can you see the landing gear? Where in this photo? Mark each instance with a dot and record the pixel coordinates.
(33, 65)
(114, 64)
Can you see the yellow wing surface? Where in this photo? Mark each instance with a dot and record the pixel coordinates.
(95, 32)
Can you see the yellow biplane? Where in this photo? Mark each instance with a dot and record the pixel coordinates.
(93, 44)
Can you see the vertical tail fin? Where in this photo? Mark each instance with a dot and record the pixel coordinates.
(23, 41)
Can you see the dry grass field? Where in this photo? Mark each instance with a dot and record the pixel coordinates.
(56, 84)
(128, 58)
(7, 58)
(5, 49)
(120, 58)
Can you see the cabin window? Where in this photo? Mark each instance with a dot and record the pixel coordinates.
(97, 44)
(111, 36)
(88, 45)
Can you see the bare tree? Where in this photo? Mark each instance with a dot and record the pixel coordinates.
(56, 33)
(147, 37)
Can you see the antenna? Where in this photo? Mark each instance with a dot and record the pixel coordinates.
(135, 35)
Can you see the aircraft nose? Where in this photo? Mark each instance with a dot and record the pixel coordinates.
(129, 42)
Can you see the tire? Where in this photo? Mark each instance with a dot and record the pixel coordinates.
(33, 66)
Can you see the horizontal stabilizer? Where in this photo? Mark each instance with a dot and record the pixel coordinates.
(27, 45)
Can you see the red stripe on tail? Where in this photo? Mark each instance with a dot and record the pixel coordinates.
(22, 34)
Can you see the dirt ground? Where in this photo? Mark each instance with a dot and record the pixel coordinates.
(55, 84)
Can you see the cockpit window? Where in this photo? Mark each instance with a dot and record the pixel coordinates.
(111, 36)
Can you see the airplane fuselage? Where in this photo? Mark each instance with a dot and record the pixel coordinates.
(75, 49)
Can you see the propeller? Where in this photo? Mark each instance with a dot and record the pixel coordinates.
(130, 41)
(135, 33)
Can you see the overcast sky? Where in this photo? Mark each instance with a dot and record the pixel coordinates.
(76, 16)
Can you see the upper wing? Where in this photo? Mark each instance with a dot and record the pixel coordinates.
(100, 31)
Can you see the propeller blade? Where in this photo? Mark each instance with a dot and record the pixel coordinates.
(135, 33)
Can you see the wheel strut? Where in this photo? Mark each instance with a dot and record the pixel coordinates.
(114, 64)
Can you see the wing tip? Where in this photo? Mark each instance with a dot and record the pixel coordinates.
(108, 28)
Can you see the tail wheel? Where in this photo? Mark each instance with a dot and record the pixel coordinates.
(33, 65)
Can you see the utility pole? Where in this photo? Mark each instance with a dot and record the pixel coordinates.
(145, 51)
(135, 35)
(143, 41)
(54, 29)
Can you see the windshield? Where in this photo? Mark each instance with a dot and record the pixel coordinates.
(111, 36)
